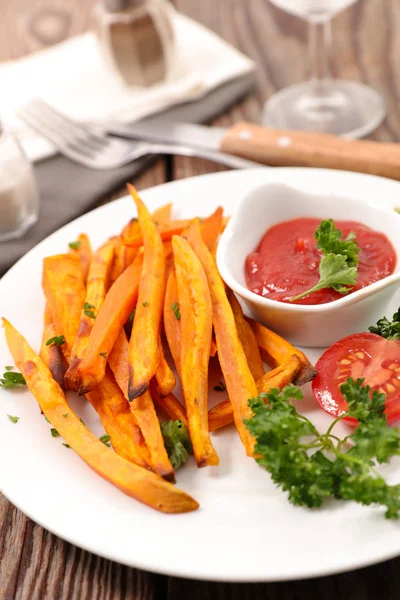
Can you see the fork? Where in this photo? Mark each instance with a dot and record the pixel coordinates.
(90, 146)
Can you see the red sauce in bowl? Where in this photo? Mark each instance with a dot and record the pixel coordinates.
(286, 261)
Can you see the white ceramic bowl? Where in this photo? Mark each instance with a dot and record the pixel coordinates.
(305, 325)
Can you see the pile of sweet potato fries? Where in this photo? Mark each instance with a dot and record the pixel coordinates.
(114, 315)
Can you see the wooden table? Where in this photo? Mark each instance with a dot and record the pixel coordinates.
(36, 565)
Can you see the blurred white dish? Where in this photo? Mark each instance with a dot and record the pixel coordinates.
(315, 325)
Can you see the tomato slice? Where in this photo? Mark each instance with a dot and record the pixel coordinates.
(365, 355)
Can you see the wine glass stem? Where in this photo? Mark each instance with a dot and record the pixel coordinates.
(320, 55)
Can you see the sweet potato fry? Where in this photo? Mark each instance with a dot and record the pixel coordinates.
(211, 228)
(171, 322)
(84, 251)
(131, 228)
(133, 480)
(64, 290)
(143, 356)
(238, 378)
(222, 414)
(124, 256)
(118, 361)
(118, 264)
(164, 376)
(114, 312)
(97, 283)
(144, 412)
(162, 216)
(51, 354)
(113, 409)
(142, 409)
(247, 338)
(169, 404)
(275, 350)
(165, 232)
(196, 328)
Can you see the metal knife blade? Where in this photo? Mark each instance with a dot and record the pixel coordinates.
(161, 131)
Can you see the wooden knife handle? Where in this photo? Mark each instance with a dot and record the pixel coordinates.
(303, 149)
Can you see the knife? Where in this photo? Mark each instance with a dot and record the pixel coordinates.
(272, 146)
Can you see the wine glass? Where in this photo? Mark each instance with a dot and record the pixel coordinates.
(323, 104)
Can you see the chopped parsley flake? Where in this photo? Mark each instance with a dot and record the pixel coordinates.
(75, 245)
(58, 340)
(11, 378)
(177, 311)
(105, 439)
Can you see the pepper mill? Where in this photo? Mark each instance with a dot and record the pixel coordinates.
(137, 39)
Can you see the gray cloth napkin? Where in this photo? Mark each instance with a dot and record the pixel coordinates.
(68, 190)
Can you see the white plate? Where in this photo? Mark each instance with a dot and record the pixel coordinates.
(245, 529)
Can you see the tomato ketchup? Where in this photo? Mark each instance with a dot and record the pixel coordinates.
(286, 262)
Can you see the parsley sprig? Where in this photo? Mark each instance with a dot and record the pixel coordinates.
(388, 329)
(338, 265)
(177, 442)
(311, 466)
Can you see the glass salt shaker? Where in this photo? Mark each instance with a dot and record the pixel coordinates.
(19, 201)
(137, 39)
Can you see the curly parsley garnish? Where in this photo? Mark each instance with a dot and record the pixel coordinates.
(177, 442)
(338, 265)
(388, 329)
(311, 466)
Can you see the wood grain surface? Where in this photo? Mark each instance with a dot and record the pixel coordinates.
(36, 565)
